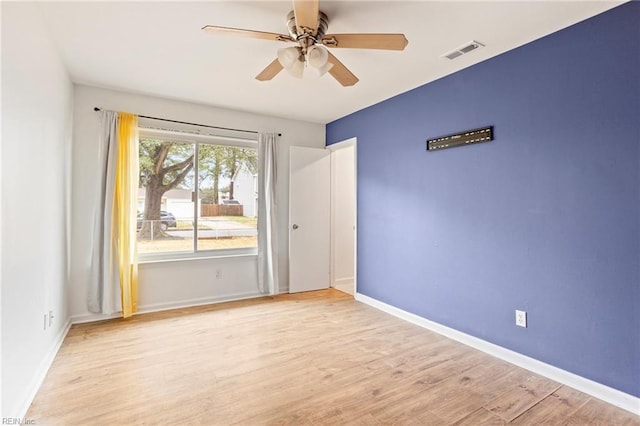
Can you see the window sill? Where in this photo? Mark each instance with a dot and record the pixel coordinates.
(175, 257)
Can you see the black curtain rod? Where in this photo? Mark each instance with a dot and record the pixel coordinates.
(194, 124)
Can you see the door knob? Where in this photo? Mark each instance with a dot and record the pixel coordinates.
(295, 226)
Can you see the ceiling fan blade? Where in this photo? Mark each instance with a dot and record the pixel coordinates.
(212, 29)
(306, 13)
(341, 73)
(366, 41)
(270, 71)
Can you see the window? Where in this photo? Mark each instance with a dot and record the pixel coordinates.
(196, 195)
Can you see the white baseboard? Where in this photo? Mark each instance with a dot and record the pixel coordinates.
(79, 319)
(157, 307)
(597, 390)
(343, 281)
(344, 284)
(42, 371)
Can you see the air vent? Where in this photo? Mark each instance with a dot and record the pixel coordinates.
(473, 45)
(453, 54)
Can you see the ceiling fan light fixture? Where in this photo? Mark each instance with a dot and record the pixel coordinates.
(288, 56)
(292, 60)
(324, 69)
(307, 26)
(296, 69)
(317, 56)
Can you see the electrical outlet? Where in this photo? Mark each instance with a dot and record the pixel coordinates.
(521, 318)
(218, 273)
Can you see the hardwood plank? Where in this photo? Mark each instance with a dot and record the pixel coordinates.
(481, 416)
(522, 397)
(596, 412)
(316, 358)
(553, 409)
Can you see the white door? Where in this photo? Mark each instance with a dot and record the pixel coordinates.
(309, 219)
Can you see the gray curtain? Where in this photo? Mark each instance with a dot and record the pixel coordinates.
(104, 277)
(267, 214)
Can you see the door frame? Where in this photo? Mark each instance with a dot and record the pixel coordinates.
(351, 142)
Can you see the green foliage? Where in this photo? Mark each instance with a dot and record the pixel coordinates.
(224, 161)
(207, 196)
(235, 158)
(216, 162)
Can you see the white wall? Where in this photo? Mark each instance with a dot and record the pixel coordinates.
(343, 217)
(36, 138)
(181, 209)
(196, 281)
(174, 282)
(245, 191)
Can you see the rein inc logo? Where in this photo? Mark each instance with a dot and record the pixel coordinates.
(17, 421)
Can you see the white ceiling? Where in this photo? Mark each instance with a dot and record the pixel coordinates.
(158, 48)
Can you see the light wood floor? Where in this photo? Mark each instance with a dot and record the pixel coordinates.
(313, 358)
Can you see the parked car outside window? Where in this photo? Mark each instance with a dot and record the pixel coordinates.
(167, 220)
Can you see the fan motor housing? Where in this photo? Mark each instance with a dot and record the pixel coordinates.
(323, 23)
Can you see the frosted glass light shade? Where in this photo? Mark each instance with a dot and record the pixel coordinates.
(290, 59)
(319, 72)
(317, 56)
(296, 69)
(287, 56)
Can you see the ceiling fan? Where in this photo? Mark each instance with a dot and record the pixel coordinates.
(307, 28)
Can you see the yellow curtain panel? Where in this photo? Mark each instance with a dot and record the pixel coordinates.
(125, 209)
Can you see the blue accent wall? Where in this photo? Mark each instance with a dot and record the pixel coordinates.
(545, 218)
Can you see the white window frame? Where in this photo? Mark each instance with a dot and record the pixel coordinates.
(197, 140)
